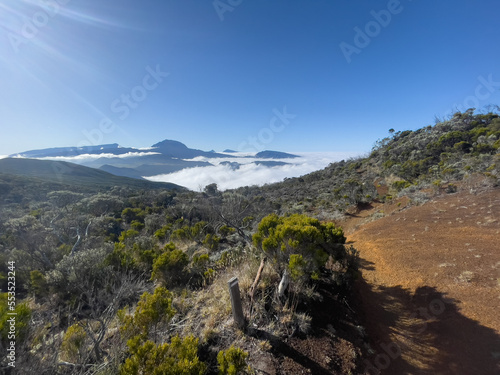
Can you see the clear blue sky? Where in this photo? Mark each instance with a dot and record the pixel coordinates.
(66, 68)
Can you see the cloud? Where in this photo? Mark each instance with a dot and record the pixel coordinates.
(249, 173)
(90, 157)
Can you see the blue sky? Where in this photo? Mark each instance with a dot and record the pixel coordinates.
(240, 74)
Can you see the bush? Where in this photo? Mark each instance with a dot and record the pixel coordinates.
(152, 310)
(72, 344)
(169, 267)
(299, 242)
(232, 361)
(180, 357)
(22, 320)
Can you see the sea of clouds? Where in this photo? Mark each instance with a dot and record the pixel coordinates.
(249, 173)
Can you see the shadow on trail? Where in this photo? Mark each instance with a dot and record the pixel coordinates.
(424, 333)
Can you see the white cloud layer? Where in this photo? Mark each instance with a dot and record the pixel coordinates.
(249, 173)
(91, 157)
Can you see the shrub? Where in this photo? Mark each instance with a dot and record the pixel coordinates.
(231, 361)
(309, 241)
(131, 214)
(38, 283)
(72, 344)
(152, 310)
(22, 319)
(211, 241)
(169, 266)
(180, 357)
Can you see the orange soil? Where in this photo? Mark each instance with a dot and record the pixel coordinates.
(431, 285)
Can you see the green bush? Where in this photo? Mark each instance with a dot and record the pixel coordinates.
(400, 185)
(38, 283)
(169, 267)
(180, 357)
(232, 361)
(152, 310)
(73, 342)
(309, 241)
(22, 319)
(211, 241)
(131, 214)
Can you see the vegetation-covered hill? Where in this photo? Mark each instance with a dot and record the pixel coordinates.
(68, 174)
(461, 149)
(117, 277)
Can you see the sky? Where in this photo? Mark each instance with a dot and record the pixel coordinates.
(247, 75)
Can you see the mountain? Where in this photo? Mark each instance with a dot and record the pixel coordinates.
(179, 150)
(274, 155)
(165, 157)
(113, 148)
(71, 174)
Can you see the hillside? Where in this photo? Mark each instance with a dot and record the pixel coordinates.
(70, 174)
(405, 163)
(120, 277)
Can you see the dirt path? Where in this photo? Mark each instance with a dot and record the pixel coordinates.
(431, 285)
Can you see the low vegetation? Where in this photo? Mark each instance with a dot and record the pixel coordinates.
(122, 280)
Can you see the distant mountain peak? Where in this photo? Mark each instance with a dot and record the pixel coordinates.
(178, 149)
(275, 155)
(171, 144)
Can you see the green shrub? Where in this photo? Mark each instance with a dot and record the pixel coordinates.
(38, 283)
(22, 319)
(211, 241)
(131, 214)
(137, 225)
(232, 361)
(73, 342)
(169, 267)
(180, 357)
(300, 241)
(152, 310)
(400, 185)
(162, 233)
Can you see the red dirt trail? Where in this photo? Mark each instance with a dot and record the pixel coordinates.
(431, 285)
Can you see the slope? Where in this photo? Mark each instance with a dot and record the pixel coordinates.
(73, 175)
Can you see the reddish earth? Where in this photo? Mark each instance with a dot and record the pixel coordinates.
(430, 290)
